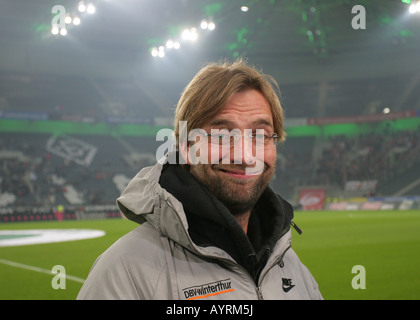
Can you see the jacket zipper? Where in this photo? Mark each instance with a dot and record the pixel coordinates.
(260, 279)
(259, 293)
(233, 263)
(262, 275)
(227, 261)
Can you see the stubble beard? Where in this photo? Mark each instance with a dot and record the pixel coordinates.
(238, 195)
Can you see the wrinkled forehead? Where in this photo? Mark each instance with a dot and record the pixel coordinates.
(244, 110)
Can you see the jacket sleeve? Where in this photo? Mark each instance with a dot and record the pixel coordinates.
(311, 284)
(307, 280)
(132, 268)
(109, 280)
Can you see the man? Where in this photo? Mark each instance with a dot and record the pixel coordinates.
(210, 229)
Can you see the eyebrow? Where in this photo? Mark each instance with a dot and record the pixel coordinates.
(227, 122)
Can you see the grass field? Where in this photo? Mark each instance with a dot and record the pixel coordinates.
(386, 244)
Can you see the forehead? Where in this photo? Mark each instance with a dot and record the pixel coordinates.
(248, 108)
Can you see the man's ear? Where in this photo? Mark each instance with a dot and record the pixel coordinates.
(183, 147)
(183, 151)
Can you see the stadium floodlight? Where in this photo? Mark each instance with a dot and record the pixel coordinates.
(190, 34)
(76, 21)
(55, 30)
(161, 52)
(91, 8)
(186, 34)
(204, 24)
(154, 52)
(81, 7)
(207, 25)
(169, 44)
(244, 8)
(194, 34)
(414, 7)
(68, 19)
(63, 32)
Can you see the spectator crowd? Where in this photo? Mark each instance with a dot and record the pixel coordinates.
(31, 176)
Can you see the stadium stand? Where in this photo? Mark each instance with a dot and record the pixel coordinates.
(38, 172)
(74, 98)
(368, 157)
(71, 167)
(390, 160)
(61, 97)
(42, 169)
(346, 98)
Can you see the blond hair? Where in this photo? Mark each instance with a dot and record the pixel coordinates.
(215, 84)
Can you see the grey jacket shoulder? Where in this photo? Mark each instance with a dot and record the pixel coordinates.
(146, 265)
(308, 280)
(159, 260)
(116, 273)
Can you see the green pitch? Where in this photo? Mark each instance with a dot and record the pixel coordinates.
(386, 244)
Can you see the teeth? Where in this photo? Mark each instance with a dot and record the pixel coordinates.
(252, 172)
(248, 171)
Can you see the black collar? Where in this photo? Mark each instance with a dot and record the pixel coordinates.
(211, 224)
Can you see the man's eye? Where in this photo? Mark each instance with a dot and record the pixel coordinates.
(220, 137)
(260, 136)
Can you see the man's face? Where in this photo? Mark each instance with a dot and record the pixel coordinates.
(231, 179)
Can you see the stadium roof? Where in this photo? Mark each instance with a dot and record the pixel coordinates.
(297, 41)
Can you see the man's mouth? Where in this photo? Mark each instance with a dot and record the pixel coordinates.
(245, 173)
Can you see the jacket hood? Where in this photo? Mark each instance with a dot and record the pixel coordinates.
(141, 195)
(144, 200)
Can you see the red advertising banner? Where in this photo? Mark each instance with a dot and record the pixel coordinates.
(312, 199)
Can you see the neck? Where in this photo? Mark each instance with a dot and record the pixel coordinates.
(243, 220)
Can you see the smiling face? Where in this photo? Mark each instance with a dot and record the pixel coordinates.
(229, 179)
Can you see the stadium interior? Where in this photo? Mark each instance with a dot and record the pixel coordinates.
(79, 109)
(87, 85)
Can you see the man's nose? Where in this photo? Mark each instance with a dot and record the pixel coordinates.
(243, 150)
